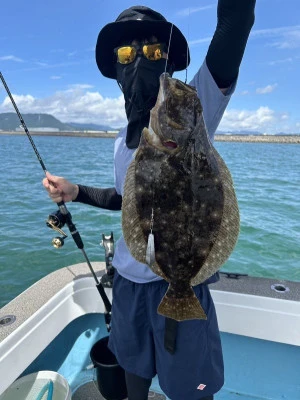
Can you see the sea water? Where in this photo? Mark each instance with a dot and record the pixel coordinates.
(267, 183)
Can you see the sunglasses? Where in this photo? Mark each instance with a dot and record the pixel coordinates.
(127, 54)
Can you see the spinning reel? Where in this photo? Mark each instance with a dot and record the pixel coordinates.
(61, 217)
(56, 221)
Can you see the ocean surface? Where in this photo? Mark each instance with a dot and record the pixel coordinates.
(267, 182)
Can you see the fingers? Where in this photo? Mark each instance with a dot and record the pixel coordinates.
(60, 189)
(54, 180)
(51, 184)
(54, 193)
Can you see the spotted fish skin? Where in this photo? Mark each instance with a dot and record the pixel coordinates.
(179, 179)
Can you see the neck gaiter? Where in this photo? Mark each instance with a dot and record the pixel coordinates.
(139, 81)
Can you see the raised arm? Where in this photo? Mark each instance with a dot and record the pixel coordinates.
(225, 53)
(60, 189)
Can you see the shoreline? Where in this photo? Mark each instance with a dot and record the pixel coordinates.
(287, 139)
(294, 139)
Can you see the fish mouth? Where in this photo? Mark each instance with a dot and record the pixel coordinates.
(154, 140)
(170, 144)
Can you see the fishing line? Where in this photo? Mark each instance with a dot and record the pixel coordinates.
(187, 47)
(61, 205)
(150, 250)
(169, 45)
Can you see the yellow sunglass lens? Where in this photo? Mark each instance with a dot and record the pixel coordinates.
(126, 54)
(152, 51)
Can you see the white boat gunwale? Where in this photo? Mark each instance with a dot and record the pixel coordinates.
(70, 292)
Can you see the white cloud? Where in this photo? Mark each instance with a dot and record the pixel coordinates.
(285, 36)
(11, 58)
(263, 119)
(185, 12)
(41, 64)
(199, 41)
(282, 61)
(72, 53)
(77, 104)
(289, 36)
(266, 89)
(271, 32)
(80, 86)
(57, 51)
(290, 40)
(81, 104)
(27, 101)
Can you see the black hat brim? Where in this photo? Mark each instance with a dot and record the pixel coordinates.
(114, 34)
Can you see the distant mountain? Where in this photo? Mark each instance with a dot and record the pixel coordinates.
(11, 122)
(46, 122)
(91, 127)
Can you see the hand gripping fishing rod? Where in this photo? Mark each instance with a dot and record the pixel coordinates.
(63, 209)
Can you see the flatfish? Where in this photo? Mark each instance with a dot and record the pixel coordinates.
(179, 213)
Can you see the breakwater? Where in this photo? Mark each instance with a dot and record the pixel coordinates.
(259, 138)
(219, 138)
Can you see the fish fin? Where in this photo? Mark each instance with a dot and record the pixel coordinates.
(181, 309)
(229, 227)
(133, 234)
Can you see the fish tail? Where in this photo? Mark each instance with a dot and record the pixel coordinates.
(183, 308)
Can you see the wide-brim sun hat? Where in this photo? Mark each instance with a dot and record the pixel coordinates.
(136, 22)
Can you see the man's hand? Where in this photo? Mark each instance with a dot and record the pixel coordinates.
(59, 189)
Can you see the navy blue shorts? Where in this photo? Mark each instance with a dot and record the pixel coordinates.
(137, 340)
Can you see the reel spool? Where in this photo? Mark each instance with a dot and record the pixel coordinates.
(55, 221)
(58, 242)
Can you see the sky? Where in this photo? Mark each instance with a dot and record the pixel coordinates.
(47, 59)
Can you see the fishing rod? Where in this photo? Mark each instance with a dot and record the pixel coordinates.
(57, 220)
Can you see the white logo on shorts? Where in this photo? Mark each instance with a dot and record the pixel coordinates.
(201, 386)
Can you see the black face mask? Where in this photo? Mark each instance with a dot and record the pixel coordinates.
(139, 81)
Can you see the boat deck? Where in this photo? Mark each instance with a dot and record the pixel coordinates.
(89, 391)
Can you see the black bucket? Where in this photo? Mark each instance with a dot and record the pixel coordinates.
(110, 375)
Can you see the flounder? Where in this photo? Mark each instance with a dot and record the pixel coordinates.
(179, 213)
